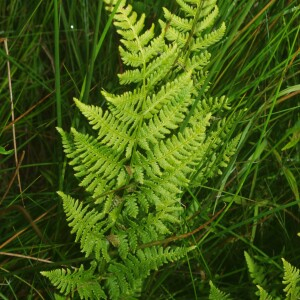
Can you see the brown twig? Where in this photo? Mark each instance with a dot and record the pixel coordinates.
(26, 256)
(32, 223)
(28, 111)
(26, 214)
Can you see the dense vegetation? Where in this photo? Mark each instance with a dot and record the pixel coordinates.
(256, 65)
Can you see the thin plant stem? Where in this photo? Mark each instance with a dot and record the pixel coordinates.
(96, 48)
(57, 86)
(13, 121)
(87, 82)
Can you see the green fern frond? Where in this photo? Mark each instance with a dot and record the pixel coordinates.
(111, 132)
(257, 273)
(206, 6)
(209, 39)
(213, 104)
(156, 70)
(81, 280)
(209, 19)
(136, 45)
(89, 227)
(103, 163)
(263, 294)
(291, 279)
(137, 267)
(199, 15)
(142, 158)
(216, 294)
(220, 162)
(181, 24)
(136, 58)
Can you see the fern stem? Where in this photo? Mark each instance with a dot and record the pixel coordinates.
(182, 236)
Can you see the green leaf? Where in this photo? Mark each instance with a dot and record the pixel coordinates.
(5, 152)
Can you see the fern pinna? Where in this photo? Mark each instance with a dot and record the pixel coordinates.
(148, 147)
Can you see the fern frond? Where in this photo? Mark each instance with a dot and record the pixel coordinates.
(257, 273)
(195, 63)
(137, 267)
(291, 279)
(181, 24)
(126, 20)
(80, 280)
(165, 111)
(125, 107)
(144, 154)
(144, 39)
(110, 131)
(213, 104)
(189, 10)
(168, 97)
(203, 13)
(206, 6)
(175, 152)
(263, 294)
(185, 25)
(137, 58)
(89, 227)
(219, 162)
(216, 294)
(209, 39)
(208, 21)
(156, 70)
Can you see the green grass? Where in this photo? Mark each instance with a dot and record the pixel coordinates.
(257, 65)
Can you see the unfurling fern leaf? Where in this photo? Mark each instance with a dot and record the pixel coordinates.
(148, 146)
